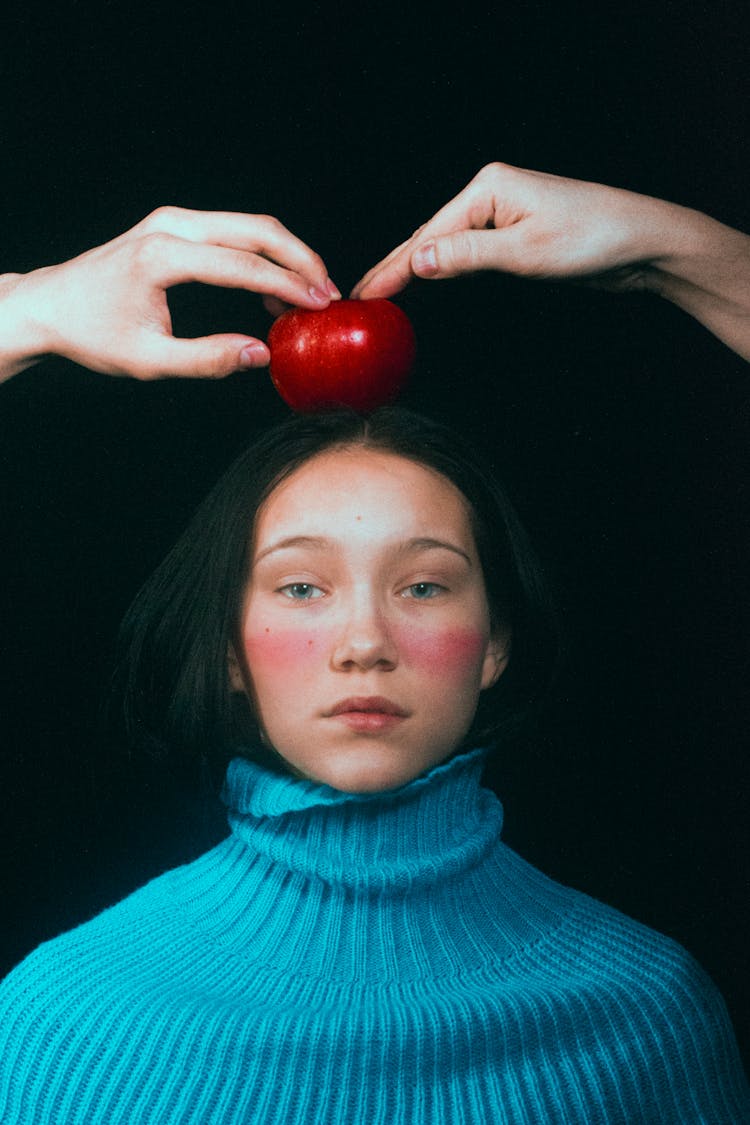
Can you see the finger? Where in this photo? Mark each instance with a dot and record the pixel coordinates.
(471, 208)
(490, 198)
(469, 251)
(365, 281)
(260, 234)
(207, 357)
(274, 306)
(173, 261)
(393, 273)
(385, 281)
(395, 252)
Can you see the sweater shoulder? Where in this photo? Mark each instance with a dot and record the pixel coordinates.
(609, 955)
(79, 954)
(651, 1000)
(596, 1008)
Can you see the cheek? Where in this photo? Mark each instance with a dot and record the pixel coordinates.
(269, 651)
(447, 652)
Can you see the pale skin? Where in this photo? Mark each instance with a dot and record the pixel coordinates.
(107, 309)
(366, 594)
(540, 226)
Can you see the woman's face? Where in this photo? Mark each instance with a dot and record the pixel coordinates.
(365, 633)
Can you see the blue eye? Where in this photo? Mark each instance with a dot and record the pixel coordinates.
(301, 591)
(422, 591)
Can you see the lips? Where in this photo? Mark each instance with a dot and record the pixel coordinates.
(368, 705)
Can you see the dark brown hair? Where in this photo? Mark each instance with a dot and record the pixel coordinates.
(173, 669)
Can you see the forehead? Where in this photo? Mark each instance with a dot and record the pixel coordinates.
(356, 489)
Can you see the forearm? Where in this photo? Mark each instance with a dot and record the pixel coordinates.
(706, 272)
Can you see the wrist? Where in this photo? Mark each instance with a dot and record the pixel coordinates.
(24, 339)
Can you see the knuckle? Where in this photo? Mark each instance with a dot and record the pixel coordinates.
(492, 171)
(147, 368)
(317, 263)
(149, 363)
(214, 362)
(151, 250)
(461, 252)
(273, 224)
(536, 247)
(161, 218)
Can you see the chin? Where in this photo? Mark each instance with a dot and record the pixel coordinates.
(368, 771)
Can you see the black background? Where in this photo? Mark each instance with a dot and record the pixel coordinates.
(620, 426)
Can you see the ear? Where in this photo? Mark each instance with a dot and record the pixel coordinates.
(236, 679)
(495, 658)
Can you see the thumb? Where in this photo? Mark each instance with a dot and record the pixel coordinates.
(465, 251)
(209, 357)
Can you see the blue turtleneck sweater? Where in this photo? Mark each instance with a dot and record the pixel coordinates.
(373, 959)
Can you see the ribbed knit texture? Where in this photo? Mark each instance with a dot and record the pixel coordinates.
(375, 959)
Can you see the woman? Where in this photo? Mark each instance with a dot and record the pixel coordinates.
(366, 949)
(363, 947)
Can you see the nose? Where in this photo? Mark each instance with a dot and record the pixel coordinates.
(365, 640)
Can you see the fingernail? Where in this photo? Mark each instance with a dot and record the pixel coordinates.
(318, 294)
(254, 355)
(425, 259)
(333, 290)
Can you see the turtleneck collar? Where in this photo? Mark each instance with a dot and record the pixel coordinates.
(434, 827)
(369, 889)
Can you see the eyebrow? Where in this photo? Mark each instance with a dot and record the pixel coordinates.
(320, 543)
(311, 541)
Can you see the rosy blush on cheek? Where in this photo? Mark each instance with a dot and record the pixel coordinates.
(283, 649)
(446, 652)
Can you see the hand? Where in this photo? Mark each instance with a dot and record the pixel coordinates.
(107, 309)
(537, 225)
(531, 224)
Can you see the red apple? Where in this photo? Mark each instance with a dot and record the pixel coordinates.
(353, 353)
